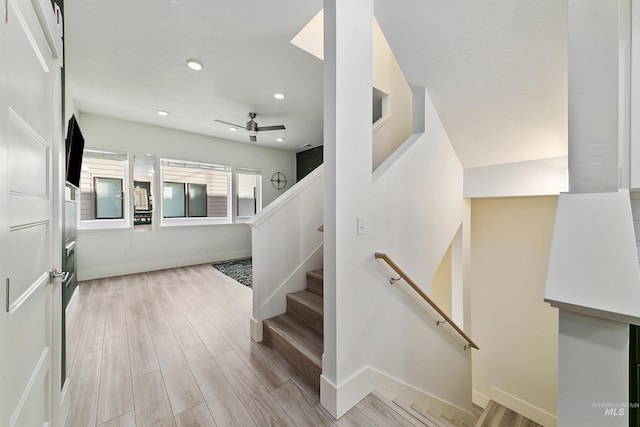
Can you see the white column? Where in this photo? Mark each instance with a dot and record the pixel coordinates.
(593, 78)
(348, 57)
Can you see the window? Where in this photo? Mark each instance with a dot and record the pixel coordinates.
(195, 193)
(248, 193)
(103, 190)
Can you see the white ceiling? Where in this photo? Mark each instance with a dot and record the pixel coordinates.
(495, 69)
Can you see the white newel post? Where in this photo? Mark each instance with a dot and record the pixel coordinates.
(593, 276)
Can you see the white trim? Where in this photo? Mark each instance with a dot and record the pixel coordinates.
(35, 375)
(152, 265)
(339, 399)
(384, 166)
(29, 35)
(293, 273)
(524, 408)
(43, 279)
(479, 399)
(381, 122)
(290, 194)
(51, 23)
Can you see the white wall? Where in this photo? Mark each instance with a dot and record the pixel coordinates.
(531, 178)
(516, 330)
(112, 252)
(412, 210)
(388, 77)
(593, 369)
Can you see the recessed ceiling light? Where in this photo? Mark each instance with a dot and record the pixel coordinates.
(162, 113)
(278, 95)
(233, 129)
(194, 64)
(279, 139)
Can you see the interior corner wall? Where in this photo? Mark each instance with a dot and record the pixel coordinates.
(388, 78)
(515, 329)
(104, 253)
(441, 284)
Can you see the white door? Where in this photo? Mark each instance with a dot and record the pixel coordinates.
(29, 222)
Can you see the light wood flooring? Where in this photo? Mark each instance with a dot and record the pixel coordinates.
(172, 348)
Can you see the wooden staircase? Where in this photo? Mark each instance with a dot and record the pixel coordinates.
(298, 334)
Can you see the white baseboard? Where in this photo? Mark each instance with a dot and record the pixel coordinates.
(338, 400)
(520, 406)
(479, 399)
(142, 267)
(256, 330)
(393, 388)
(73, 303)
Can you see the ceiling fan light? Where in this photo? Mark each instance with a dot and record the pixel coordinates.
(194, 64)
(252, 133)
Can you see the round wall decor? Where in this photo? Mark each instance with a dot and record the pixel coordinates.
(279, 180)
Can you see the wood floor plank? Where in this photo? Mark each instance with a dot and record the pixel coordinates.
(262, 407)
(116, 393)
(115, 318)
(187, 336)
(156, 319)
(302, 410)
(126, 420)
(212, 339)
(379, 413)
(269, 373)
(181, 386)
(85, 382)
(141, 350)
(304, 384)
(354, 418)
(151, 402)
(132, 298)
(225, 406)
(198, 416)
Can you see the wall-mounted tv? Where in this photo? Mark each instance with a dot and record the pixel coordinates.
(75, 148)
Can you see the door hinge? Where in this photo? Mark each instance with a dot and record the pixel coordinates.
(7, 304)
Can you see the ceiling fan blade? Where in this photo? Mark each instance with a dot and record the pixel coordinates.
(277, 127)
(253, 138)
(230, 124)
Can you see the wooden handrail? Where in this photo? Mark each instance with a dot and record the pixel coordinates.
(424, 296)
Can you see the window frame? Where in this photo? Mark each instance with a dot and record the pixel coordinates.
(236, 193)
(197, 220)
(115, 223)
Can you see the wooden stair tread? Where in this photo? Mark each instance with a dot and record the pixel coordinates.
(315, 280)
(307, 342)
(435, 419)
(310, 300)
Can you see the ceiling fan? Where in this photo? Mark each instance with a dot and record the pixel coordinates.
(252, 127)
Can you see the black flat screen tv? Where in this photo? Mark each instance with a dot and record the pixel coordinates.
(74, 150)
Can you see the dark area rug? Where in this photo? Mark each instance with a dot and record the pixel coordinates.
(239, 270)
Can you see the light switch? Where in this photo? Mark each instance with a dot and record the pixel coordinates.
(361, 226)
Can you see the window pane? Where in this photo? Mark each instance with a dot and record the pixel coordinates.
(247, 194)
(108, 169)
(210, 187)
(173, 199)
(197, 200)
(108, 195)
